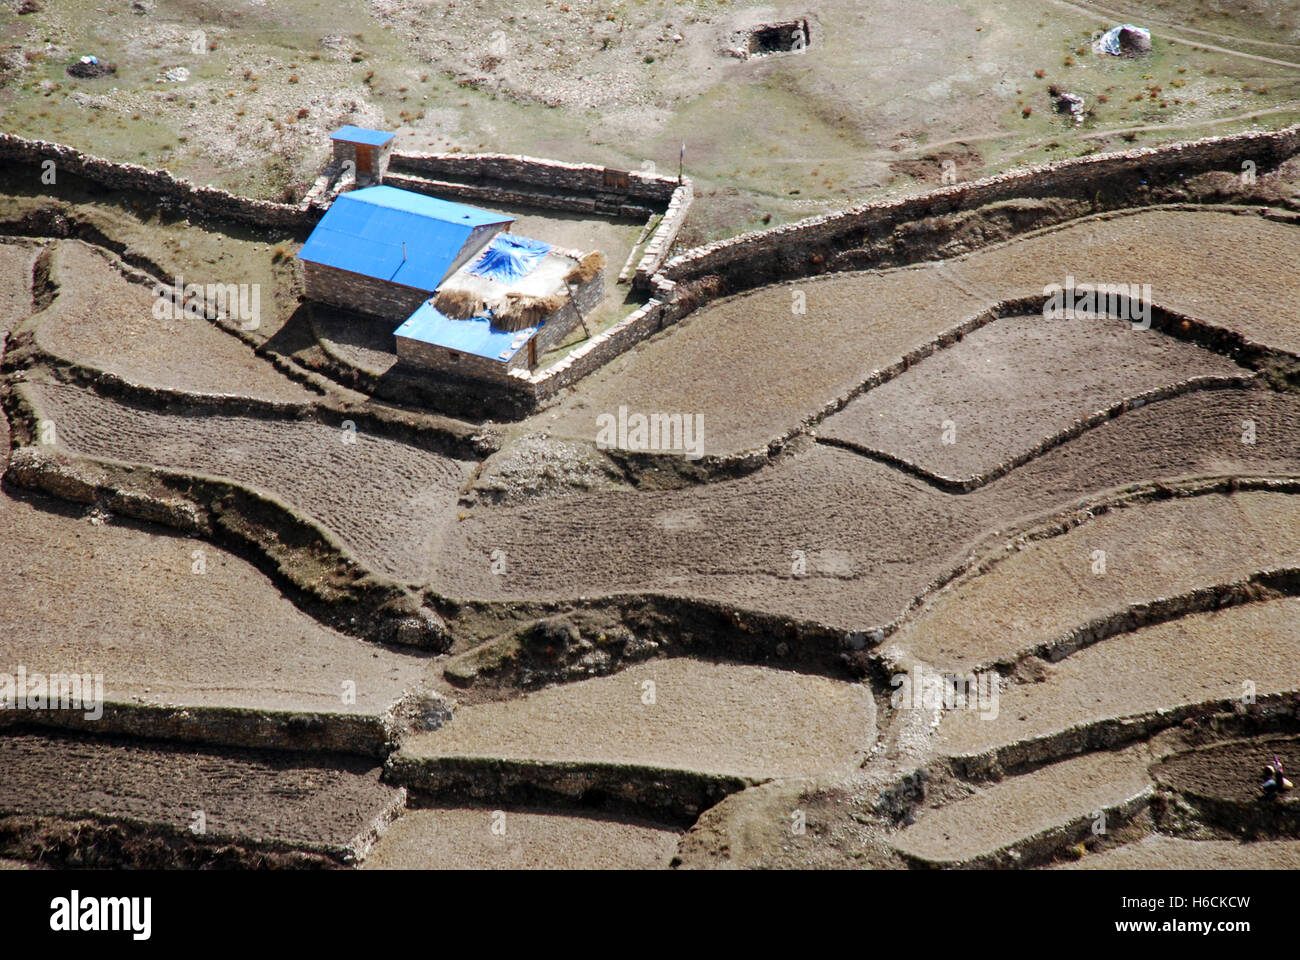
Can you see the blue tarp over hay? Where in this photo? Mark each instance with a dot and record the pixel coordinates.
(509, 258)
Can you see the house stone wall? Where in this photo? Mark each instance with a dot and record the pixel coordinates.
(437, 359)
(352, 291)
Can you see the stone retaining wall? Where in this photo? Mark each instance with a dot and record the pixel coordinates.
(505, 195)
(549, 175)
(680, 285)
(207, 200)
(1107, 180)
(661, 241)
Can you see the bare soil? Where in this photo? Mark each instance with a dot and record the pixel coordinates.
(1151, 550)
(1006, 812)
(1158, 852)
(711, 717)
(795, 363)
(1230, 771)
(16, 261)
(15, 283)
(525, 839)
(1011, 386)
(1205, 657)
(1180, 253)
(388, 502)
(873, 538)
(260, 799)
(99, 319)
(123, 599)
(365, 343)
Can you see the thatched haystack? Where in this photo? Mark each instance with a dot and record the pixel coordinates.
(459, 304)
(586, 269)
(521, 311)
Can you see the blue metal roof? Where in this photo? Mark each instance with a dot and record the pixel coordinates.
(476, 336)
(375, 138)
(395, 235)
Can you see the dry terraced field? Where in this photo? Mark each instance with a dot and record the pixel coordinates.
(850, 531)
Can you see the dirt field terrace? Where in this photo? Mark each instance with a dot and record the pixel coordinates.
(1027, 598)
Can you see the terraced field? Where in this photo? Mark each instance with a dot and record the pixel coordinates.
(998, 397)
(1101, 570)
(16, 262)
(464, 838)
(387, 502)
(796, 363)
(1113, 530)
(997, 820)
(734, 541)
(749, 722)
(1221, 656)
(1158, 852)
(98, 319)
(1215, 266)
(87, 596)
(131, 798)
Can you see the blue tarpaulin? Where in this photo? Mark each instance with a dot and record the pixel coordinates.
(509, 258)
